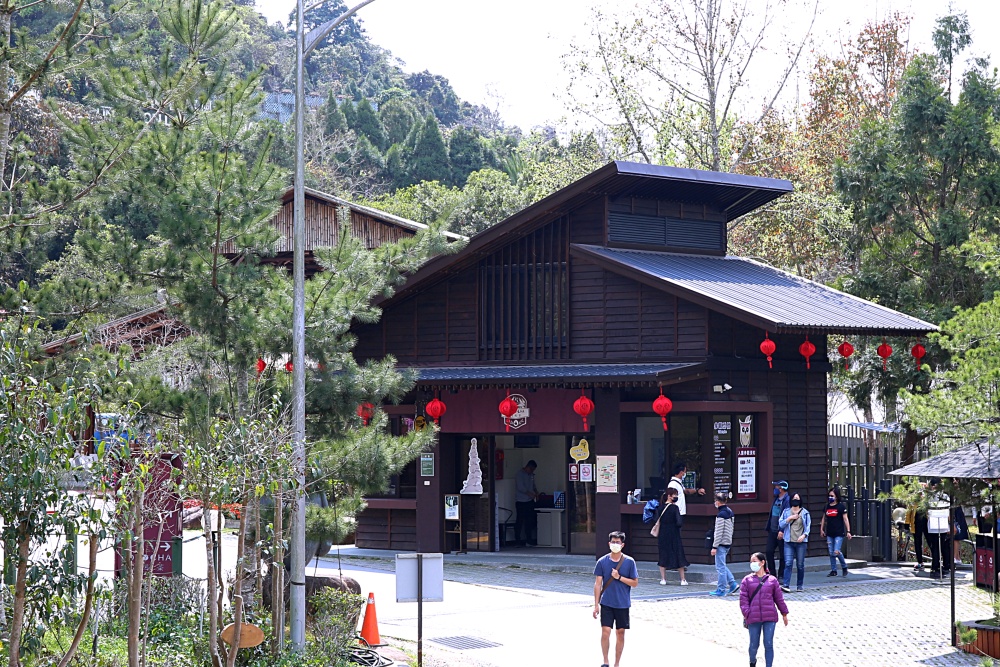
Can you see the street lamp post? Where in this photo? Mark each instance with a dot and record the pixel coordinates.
(304, 45)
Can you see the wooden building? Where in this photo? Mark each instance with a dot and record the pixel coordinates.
(618, 287)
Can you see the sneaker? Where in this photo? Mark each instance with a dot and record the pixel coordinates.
(845, 571)
(935, 575)
(958, 561)
(718, 594)
(735, 589)
(919, 567)
(833, 573)
(798, 589)
(663, 582)
(786, 588)
(684, 582)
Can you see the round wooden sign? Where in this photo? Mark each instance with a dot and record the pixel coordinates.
(250, 635)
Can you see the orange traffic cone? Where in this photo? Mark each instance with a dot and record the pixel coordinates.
(369, 629)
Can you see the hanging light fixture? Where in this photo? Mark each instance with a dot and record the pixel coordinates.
(435, 409)
(507, 409)
(583, 406)
(767, 348)
(846, 350)
(919, 352)
(662, 406)
(885, 351)
(365, 411)
(807, 350)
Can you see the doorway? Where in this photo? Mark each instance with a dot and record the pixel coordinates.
(581, 509)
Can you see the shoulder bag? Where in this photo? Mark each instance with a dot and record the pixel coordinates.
(610, 578)
(760, 585)
(655, 530)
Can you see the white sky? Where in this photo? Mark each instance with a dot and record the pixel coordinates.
(507, 54)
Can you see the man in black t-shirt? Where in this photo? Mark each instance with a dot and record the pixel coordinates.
(835, 526)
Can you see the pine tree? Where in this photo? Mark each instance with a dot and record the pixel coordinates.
(334, 120)
(350, 114)
(430, 157)
(465, 151)
(369, 124)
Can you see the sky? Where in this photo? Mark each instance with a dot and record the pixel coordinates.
(508, 55)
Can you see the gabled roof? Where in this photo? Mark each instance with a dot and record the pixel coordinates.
(735, 194)
(153, 325)
(755, 293)
(975, 460)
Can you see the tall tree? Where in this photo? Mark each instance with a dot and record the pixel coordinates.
(673, 78)
(429, 161)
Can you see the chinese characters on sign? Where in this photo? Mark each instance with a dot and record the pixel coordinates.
(519, 418)
(722, 449)
(746, 461)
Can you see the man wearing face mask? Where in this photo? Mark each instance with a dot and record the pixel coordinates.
(775, 537)
(615, 577)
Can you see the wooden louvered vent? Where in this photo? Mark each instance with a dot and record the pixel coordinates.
(524, 298)
(661, 233)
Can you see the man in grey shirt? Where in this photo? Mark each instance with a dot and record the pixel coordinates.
(526, 523)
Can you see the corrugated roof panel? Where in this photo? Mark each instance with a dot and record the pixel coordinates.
(763, 293)
(551, 372)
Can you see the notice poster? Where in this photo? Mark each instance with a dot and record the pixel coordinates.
(586, 472)
(427, 465)
(607, 474)
(746, 460)
(722, 452)
(451, 507)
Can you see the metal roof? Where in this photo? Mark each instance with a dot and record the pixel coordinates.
(756, 293)
(734, 194)
(555, 373)
(976, 460)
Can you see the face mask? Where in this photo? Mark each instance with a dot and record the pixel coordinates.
(832, 499)
(796, 503)
(776, 492)
(615, 548)
(755, 567)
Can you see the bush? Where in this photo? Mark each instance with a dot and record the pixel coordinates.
(335, 624)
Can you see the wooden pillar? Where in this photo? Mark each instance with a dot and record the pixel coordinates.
(430, 503)
(607, 442)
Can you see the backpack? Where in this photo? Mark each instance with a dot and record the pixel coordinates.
(649, 513)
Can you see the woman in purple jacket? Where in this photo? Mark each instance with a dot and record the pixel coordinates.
(760, 601)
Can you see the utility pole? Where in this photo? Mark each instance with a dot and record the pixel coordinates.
(304, 45)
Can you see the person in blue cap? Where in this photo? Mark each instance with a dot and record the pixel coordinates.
(775, 537)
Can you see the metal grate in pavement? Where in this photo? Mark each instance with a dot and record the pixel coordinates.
(464, 643)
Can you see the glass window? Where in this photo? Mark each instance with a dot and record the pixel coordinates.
(706, 443)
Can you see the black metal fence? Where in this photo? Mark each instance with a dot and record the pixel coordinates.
(872, 517)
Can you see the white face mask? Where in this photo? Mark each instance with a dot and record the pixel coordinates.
(754, 566)
(615, 548)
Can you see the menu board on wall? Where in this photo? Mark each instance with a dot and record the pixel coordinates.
(746, 460)
(722, 452)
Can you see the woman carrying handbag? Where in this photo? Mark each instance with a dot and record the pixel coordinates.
(760, 601)
(668, 538)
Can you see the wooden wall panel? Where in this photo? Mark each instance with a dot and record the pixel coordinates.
(387, 529)
(587, 223)
(643, 206)
(463, 317)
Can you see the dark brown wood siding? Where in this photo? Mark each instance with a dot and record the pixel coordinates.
(387, 529)
(643, 206)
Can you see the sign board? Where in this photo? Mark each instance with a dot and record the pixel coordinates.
(433, 578)
(574, 472)
(163, 502)
(520, 417)
(427, 465)
(451, 507)
(746, 461)
(580, 452)
(722, 451)
(607, 474)
(586, 472)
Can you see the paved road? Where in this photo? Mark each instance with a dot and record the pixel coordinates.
(887, 617)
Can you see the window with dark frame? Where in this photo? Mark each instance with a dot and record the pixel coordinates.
(524, 297)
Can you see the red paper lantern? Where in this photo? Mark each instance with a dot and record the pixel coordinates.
(289, 366)
(583, 406)
(884, 350)
(508, 407)
(918, 352)
(662, 406)
(767, 348)
(261, 365)
(365, 411)
(846, 350)
(807, 350)
(435, 409)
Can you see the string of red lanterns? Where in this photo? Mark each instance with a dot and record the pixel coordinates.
(846, 350)
(919, 352)
(583, 406)
(767, 348)
(261, 366)
(507, 408)
(807, 350)
(885, 351)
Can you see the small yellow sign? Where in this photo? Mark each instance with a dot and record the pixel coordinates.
(581, 452)
(419, 423)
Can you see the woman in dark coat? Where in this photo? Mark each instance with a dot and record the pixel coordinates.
(669, 540)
